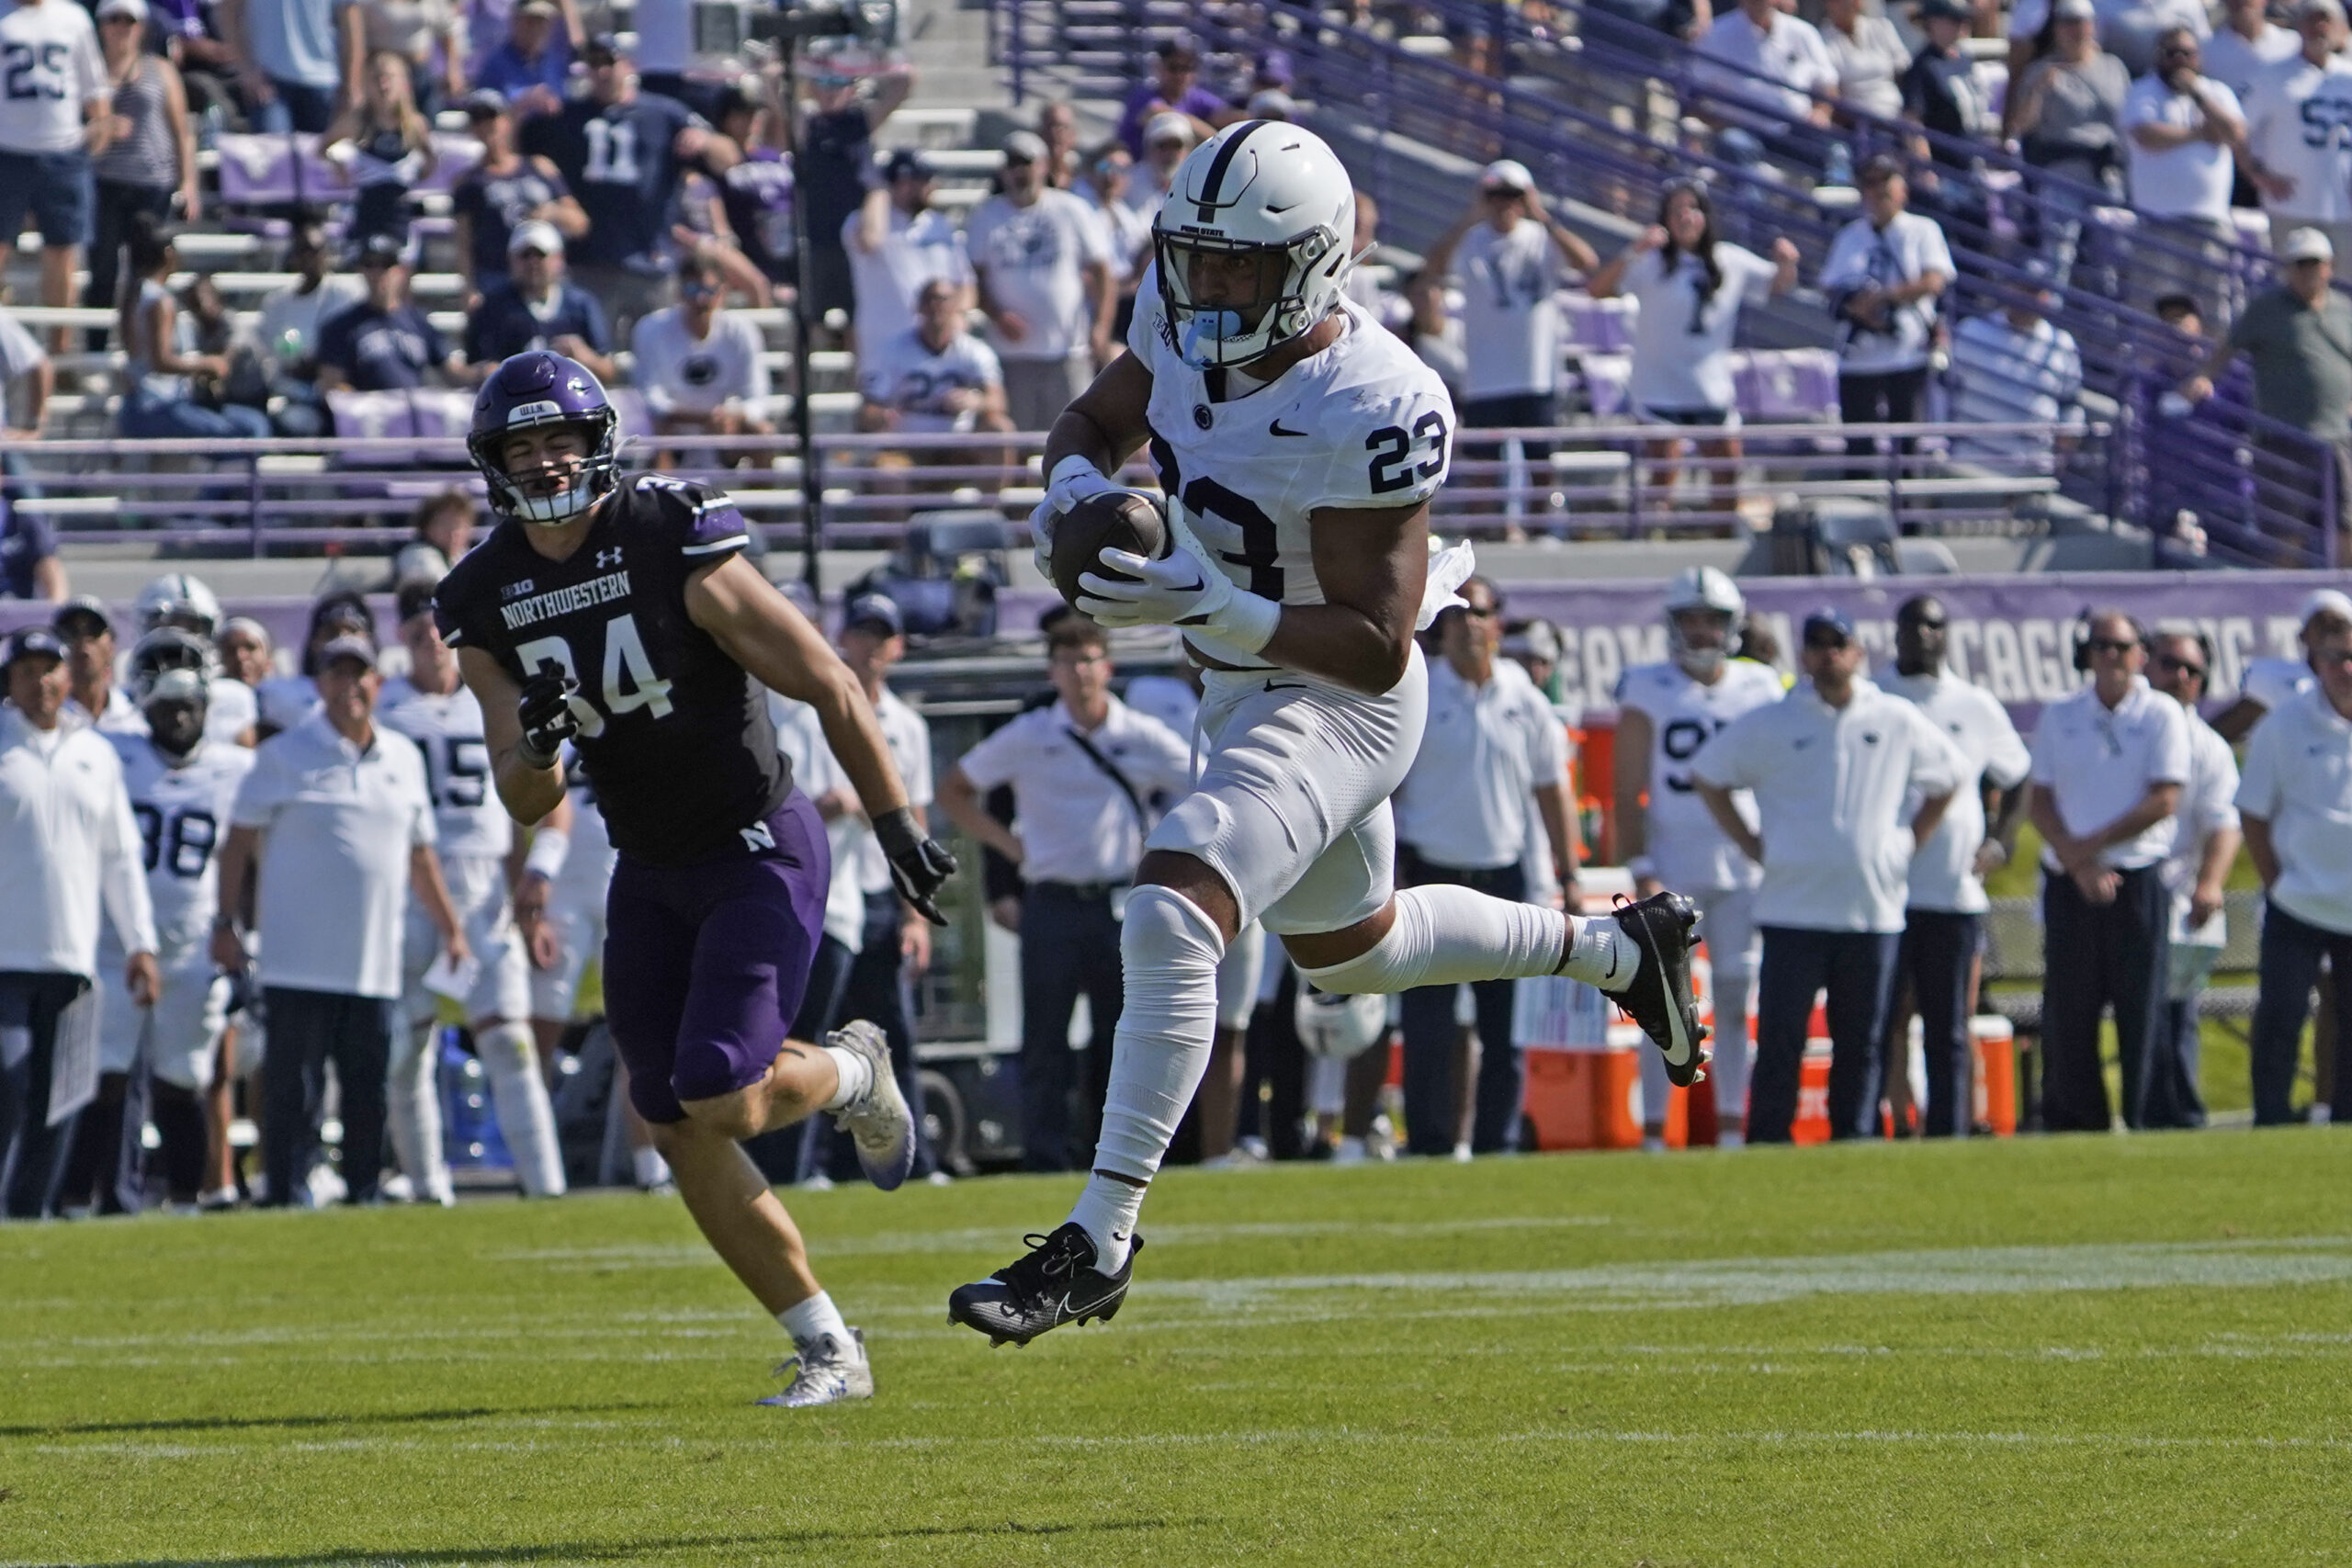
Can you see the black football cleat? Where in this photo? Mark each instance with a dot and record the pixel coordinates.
(1658, 997)
(1056, 1283)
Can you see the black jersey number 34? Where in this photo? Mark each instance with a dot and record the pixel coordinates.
(629, 683)
(1392, 448)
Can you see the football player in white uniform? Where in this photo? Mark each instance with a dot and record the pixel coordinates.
(433, 707)
(185, 604)
(181, 783)
(1665, 713)
(1299, 444)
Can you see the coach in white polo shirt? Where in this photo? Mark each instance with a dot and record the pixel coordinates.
(2108, 766)
(339, 817)
(1943, 929)
(1833, 766)
(1493, 762)
(1083, 772)
(2295, 804)
(2267, 683)
(69, 845)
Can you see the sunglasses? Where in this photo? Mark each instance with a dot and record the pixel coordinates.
(2180, 666)
(2112, 645)
(1827, 642)
(1921, 623)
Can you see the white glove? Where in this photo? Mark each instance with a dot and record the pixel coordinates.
(1185, 590)
(1073, 479)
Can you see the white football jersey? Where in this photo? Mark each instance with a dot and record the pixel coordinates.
(906, 375)
(2299, 126)
(1363, 423)
(588, 864)
(467, 812)
(54, 69)
(183, 816)
(229, 711)
(1689, 853)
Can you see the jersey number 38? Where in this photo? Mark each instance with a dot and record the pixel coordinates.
(629, 683)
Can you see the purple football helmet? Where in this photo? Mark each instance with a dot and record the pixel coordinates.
(534, 388)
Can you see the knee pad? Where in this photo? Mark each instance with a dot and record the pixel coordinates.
(508, 1048)
(1164, 931)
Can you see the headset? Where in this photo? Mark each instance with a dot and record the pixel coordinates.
(2094, 612)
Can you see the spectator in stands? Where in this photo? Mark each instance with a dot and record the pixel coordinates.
(1175, 88)
(188, 33)
(72, 850)
(429, 36)
(1940, 92)
(531, 66)
(2014, 367)
(1835, 767)
(1944, 902)
(93, 697)
(29, 565)
(1107, 176)
(1884, 279)
(289, 66)
(834, 162)
(2299, 132)
(500, 193)
(2126, 28)
(2297, 337)
(27, 377)
(1058, 129)
(624, 171)
(1168, 140)
(289, 321)
(1868, 55)
(896, 242)
(758, 191)
(1082, 772)
(934, 379)
(2295, 804)
(2249, 45)
(1690, 286)
(384, 343)
(538, 307)
(221, 331)
(702, 369)
(1491, 773)
(1758, 57)
(2067, 114)
(699, 223)
(382, 143)
(334, 867)
(2205, 845)
(1046, 282)
(441, 531)
(2108, 764)
(1510, 257)
(159, 400)
(54, 119)
(2186, 131)
(152, 158)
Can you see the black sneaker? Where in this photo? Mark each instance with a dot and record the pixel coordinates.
(1659, 996)
(1056, 1283)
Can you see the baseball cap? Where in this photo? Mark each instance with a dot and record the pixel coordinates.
(381, 249)
(1505, 174)
(2330, 9)
(357, 648)
(1878, 166)
(538, 8)
(1024, 147)
(2074, 11)
(535, 234)
(1828, 618)
(33, 642)
(2306, 244)
(909, 164)
(1949, 10)
(80, 605)
(1273, 104)
(1179, 49)
(2324, 601)
(875, 610)
(483, 102)
(607, 46)
(1166, 126)
(135, 10)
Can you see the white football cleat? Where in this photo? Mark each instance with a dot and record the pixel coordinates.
(877, 1121)
(826, 1373)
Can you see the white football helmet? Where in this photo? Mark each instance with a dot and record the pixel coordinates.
(178, 600)
(1339, 1027)
(1707, 589)
(169, 664)
(1265, 191)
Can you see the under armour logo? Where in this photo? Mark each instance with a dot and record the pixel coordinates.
(608, 558)
(757, 837)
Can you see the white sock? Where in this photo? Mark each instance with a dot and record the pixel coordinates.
(1445, 935)
(1107, 1212)
(651, 1168)
(526, 1116)
(1601, 954)
(811, 1320)
(412, 1110)
(856, 1077)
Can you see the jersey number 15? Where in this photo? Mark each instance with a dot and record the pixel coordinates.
(630, 680)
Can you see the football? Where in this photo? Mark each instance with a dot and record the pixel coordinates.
(1120, 520)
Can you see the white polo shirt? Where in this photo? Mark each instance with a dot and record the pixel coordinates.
(2241, 64)
(909, 738)
(1865, 256)
(816, 772)
(2207, 804)
(2191, 180)
(338, 826)
(1467, 800)
(2299, 779)
(70, 844)
(1831, 786)
(1076, 824)
(1792, 54)
(1943, 869)
(2097, 764)
(2275, 683)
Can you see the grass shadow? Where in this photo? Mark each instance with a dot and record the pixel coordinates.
(244, 1423)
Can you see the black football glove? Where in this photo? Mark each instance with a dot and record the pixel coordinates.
(545, 712)
(919, 864)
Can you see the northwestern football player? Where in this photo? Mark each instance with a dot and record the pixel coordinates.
(1299, 444)
(620, 613)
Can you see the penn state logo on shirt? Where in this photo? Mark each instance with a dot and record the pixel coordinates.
(1202, 416)
(699, 370)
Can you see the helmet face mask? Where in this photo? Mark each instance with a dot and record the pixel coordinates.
(174, 714)
(171, 676)
(545, 439)
(1702, 601)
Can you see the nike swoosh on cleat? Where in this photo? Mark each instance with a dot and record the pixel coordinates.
(1277, 429)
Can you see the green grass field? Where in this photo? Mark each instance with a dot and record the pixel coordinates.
(2074, 1351)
